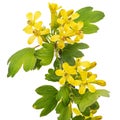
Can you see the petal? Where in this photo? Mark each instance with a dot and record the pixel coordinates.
(37, 15)
(69, 12)
(74, 16)
(62, 80)
(85, 64)
(38, 25)
(91, 88)
(97, 118)
(80, 25)
(29, 16)
(31, 39)
(61, 44)
(69, 41)
(28, 29)
(54, 38)
(65, 65)
(59, 72)
(61, 21)
(91, 78)
(45, 31)
(100, 82)
(76, 111)
(83, 75)
(71, 80)
(40, 41)
(82, 89)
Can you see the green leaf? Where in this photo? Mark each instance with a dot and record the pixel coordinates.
(45, 54)
(94, 106)
(51, 76)
(48, 100)
(72, 51)
(46, 90)
(88, 16)
(37, 65)
(57, 63)
(90, 28)
(63, 94)
(64, 111)
(23, 57)
(89, 98)
(86, 112)
(78, 118)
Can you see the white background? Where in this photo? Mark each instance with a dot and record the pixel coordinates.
(17, 94)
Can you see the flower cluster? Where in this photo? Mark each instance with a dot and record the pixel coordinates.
(63, 28)
(78, 75)
(35, 28)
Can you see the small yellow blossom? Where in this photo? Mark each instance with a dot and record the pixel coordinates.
(66, 74)
(32, 18)
(65, 32)
(76, 27)
(53, 9)
(66, 16)
(86, 82)
(37, 32)
(80, 65)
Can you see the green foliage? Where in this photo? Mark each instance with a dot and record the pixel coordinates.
(48, 100)
(88, 16)
(78, 118)
(37, 65)
(23, 57)
(57, 63)
(34, 58)
(51, 76)
(45, 54)
(64, 111)
(86, 111)
(63, 94)
(94, 106)
(90, 28)
(71, 51)
(89, 98)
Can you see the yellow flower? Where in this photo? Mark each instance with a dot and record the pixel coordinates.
(65, 32)
(80, 65)
(53, 9)
(66, 74)
(32, 18)
(37, 32)
(86, 82)
(65, 17)
(76, 27)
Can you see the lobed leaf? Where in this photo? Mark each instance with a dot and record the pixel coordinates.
(51, 76)
(48, 100)
(45, 54)
(23, 57)
(72, 51)
(88, 16)
(89, 98)
(64, 111)
(63, 95)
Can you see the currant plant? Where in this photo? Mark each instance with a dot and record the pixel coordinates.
(77, 97)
